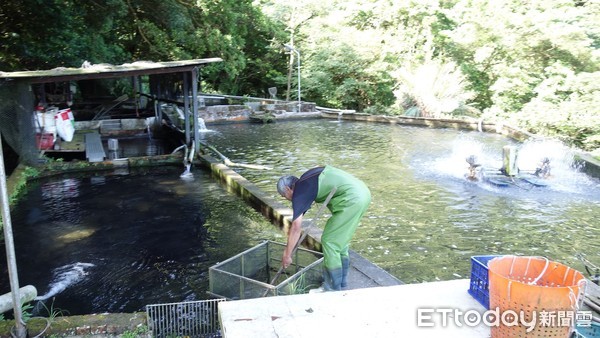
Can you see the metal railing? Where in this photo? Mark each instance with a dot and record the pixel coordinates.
(186, 319)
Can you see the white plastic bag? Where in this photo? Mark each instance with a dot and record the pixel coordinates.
(65, 124)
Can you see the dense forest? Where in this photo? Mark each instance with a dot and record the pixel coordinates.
(531, 63)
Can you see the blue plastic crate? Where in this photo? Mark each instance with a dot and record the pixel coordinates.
(479, 287)
(592, 331)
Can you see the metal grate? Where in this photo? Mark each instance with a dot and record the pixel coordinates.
(186, 319)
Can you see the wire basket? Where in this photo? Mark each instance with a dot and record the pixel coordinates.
(249, 274)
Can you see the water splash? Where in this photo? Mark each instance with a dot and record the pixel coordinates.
(202, 126)
(565, 176)
(66, 276)
(455, 164)
(187, 174)
(150, 121)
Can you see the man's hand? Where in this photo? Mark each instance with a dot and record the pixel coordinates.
(292, 240)
(286, 260)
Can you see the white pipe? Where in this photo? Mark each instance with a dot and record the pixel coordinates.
(192, 152)
(26, 293)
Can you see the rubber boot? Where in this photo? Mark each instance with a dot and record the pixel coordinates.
(333, 279)
(345, 270)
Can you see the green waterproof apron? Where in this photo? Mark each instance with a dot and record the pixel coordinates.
(347, 206)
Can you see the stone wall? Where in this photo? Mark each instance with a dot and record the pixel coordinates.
(233, 113)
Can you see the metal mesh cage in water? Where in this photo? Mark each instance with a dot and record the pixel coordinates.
(249, 274)
(187, 319)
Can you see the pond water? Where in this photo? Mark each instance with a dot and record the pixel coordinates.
(117, 242)
(425, 220)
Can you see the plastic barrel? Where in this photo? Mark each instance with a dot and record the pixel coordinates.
(45, 123)
(536, 289)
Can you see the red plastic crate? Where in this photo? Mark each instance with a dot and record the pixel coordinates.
(44, 141)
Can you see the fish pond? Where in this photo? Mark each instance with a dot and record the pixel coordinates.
(426, 220)
(115, 242)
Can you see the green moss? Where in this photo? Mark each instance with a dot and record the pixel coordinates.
(124, 324)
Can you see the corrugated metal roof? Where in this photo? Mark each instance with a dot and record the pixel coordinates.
(104, 70)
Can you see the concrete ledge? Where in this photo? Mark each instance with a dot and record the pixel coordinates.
(591, 165)
(470, 124)
(234, 182)
(371, 312)
(96, 325)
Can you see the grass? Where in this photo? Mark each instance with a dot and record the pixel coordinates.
(139, 331)
(300, 286)
(53, 312)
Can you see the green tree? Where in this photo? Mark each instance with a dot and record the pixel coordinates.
(433, 88)
(566, 106)
(234, 30)
(42, 34)
(340, 65)
(508, 45)
(38, 34)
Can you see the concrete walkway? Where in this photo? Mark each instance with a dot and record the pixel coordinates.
(369, 312)
(365, 274)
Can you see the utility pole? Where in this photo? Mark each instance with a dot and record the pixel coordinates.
(21, 330)
(292, 49)
(290, 68)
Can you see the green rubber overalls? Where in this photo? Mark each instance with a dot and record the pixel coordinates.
(347, 206)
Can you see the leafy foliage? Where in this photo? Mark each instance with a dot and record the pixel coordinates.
(45, 34)
(528, 62)
(501, 57)
(137, 332)
(565, 106)
(433, 88)
(37, 34)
